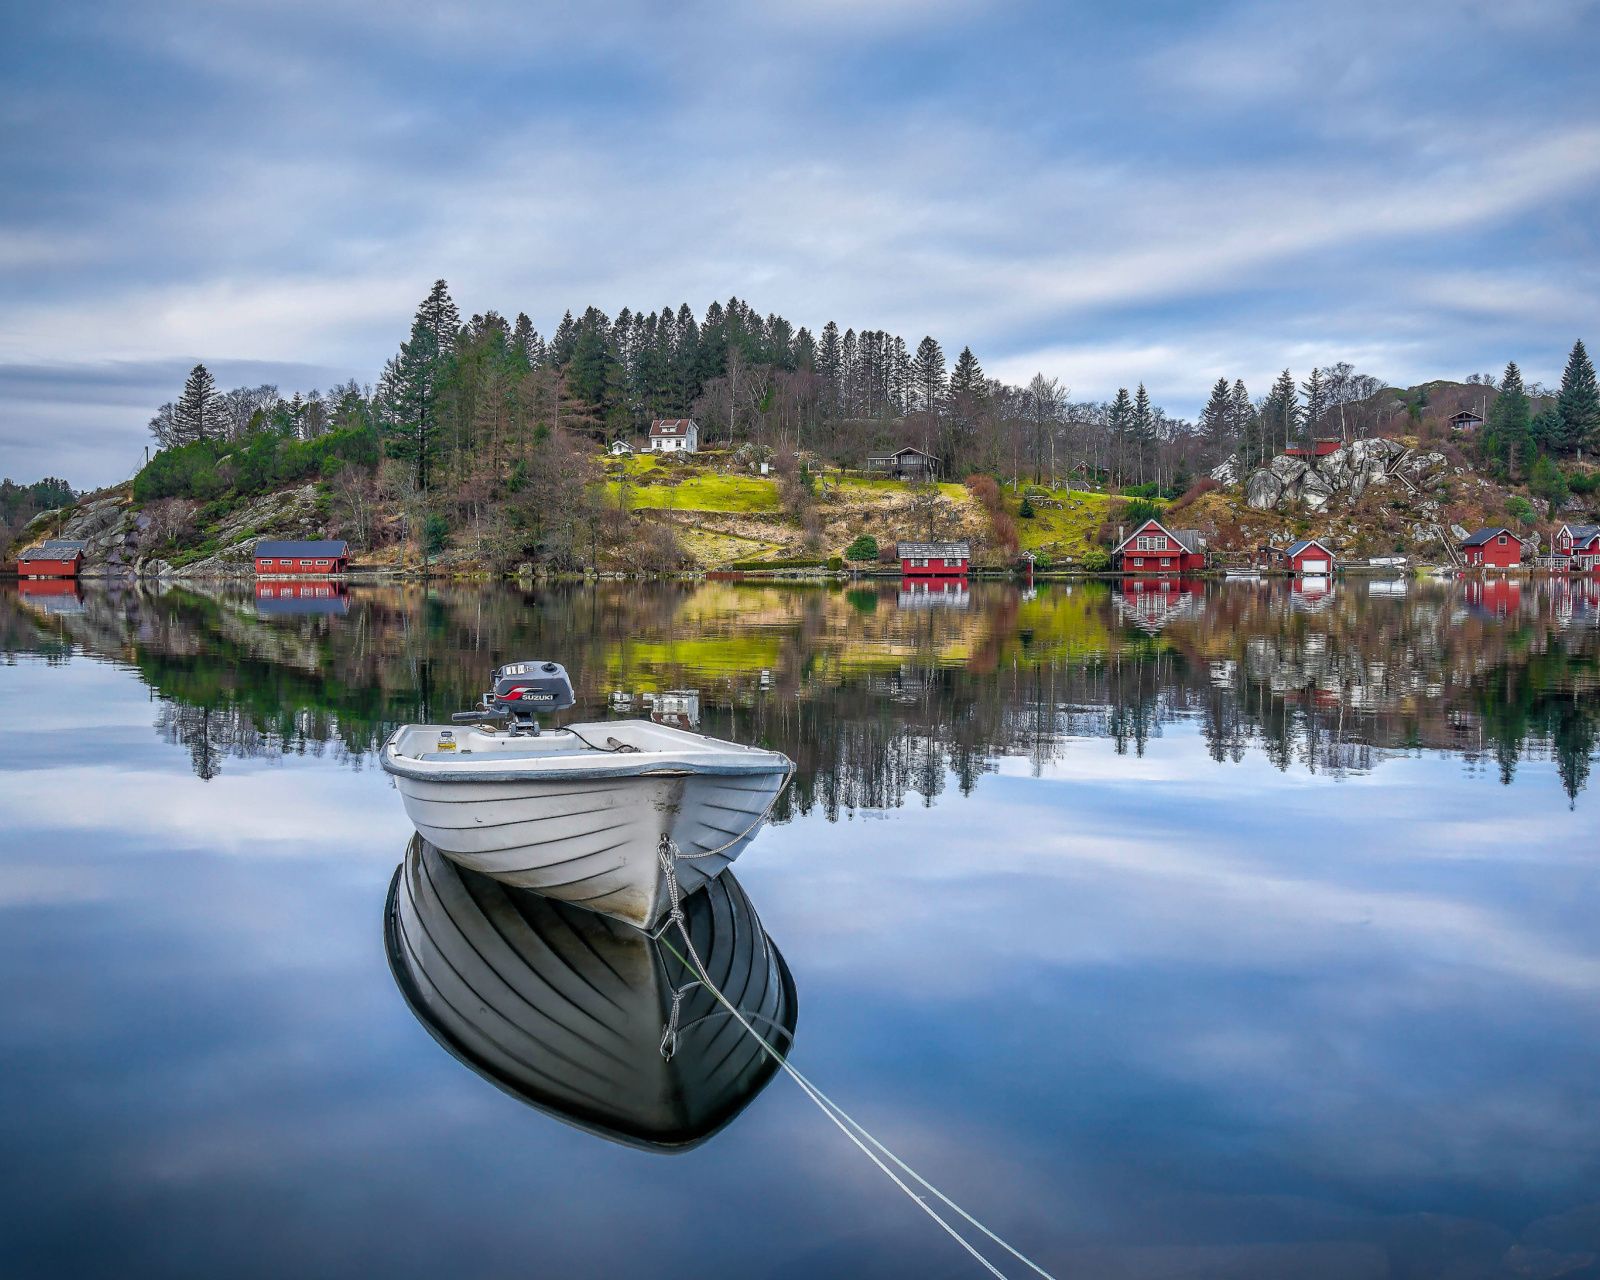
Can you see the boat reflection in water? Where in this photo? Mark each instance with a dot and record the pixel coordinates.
(573, 1012)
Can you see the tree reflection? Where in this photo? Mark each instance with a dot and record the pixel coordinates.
(885, 706)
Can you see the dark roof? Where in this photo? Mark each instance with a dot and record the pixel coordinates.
(1188, 539)
(922, 550)
(1484, 536)
(901, 452)
(1582, 533)
(326, 550)
(1295, 548)
(671, 426)
(1464, 415)
(53, 551)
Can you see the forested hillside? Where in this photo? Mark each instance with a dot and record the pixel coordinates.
(486, 432)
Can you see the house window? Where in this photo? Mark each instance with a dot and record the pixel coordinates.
(322, 564)
(1166, 562)
(1501, 540)
(286, 564)
(1138, 560)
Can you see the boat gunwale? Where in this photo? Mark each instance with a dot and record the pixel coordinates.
(632, 764)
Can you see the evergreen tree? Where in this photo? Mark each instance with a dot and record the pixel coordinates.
(1579, 402)
(1245, 423)
(1142, 427)
(1316, 390)
(967, 377)
(928, 375)
(1217, 422)
(196, 415)
(1509, 435)
(439, 313)
(1282, 411)
(1119, 420)
(409, 394)
(565, 339)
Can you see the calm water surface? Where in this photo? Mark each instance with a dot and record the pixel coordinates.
(1225, 930)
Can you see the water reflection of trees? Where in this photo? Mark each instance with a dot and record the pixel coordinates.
(882, 706)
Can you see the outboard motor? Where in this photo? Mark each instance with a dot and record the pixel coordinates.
(521, 691)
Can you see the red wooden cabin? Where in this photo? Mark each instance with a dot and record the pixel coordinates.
(301, 559)
(1497, 548)
(1582, 540)
(1154, 548)
(1309, 557)
(52, 560)
(933, 559)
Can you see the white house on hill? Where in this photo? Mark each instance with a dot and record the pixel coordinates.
(674, 435)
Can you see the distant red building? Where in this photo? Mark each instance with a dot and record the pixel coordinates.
(301, 558)
(933, 559)
(1319, 449)
(1496, 548)
(1154, 548)
(1309, 558)
(52, 560)
(302, 597)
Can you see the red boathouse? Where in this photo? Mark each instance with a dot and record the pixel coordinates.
(301, 558)
(933, 559)
(1497, 548)
(52, 560)
(1309, 558)
(1154, 548)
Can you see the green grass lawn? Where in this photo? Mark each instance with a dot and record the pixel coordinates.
(1067, 532)
(669, 489)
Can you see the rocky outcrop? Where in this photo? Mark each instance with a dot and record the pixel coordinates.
(1229, 472)
(1349, 469)
(116, 538)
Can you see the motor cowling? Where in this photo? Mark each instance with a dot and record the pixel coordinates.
(524, 688)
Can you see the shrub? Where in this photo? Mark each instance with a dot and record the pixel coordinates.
(984, 489)
(1521, 508)
(863, 548)
(1137, 511)
(436, 533)
(1025, 511)
(1096, 560)
(836, 562)
(1203, 485)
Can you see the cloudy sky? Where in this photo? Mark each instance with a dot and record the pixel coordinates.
(1113, 193)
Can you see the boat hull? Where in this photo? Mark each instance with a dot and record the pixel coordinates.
(566, 1010)
(595, 843)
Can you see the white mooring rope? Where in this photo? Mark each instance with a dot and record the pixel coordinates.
(668, 853)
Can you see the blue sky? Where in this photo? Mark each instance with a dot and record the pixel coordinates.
(1156, 192)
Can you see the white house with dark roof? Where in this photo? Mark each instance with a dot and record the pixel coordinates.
(674, 435)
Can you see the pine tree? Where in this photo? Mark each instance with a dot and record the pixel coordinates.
(928, 375)
(1142, 427)
(1216, 422)
(566, 337)
(1316, 389)
(196, 415)
(967, 379)
(1245, 424)
(1510, 429)
(1119, 418)
(409, 394)
(1283, 414)
(1579, 402)
(439, 313)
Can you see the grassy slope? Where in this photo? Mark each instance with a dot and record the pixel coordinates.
(1067, 532)
(669, 489)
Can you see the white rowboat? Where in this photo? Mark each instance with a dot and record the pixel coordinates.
(580, 813)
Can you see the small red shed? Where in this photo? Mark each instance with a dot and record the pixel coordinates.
(1309, 558)
(1154, 548)
(1498, 548)
(52, 560)
(301, 558)
(933, 559)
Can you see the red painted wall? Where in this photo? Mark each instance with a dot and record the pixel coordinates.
(1496, 556)
(933, 568)
(297, 566)
(49, 568)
